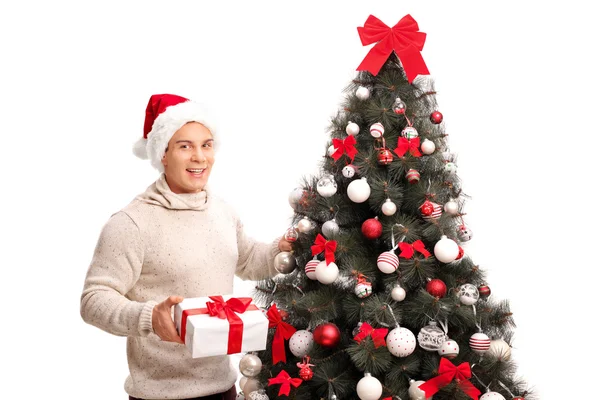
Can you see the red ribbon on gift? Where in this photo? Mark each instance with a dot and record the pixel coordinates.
(407, 250)
(329, 246)
(223, 310)
(403, 38)
(344, 146)
(377, 335)
(283, 332)
(286, 382)
(410, 145)
(447, 372)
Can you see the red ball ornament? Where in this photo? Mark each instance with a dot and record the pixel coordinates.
(327, 335)
(436, 288)
(436, 117)
(372, 228)
(284, 314)
(384, 156)
(461, 253)
(426, 208)
(306, 374)
(484, 291)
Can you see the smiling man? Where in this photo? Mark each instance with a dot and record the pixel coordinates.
(173, 241)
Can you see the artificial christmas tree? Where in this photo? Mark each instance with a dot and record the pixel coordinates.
(382, 299)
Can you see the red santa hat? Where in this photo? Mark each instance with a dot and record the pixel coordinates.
(165, 115)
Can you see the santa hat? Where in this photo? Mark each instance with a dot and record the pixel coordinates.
(165, 115)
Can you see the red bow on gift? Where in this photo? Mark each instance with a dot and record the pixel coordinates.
(403, 38)
(344, 146)
(410, 145)
(283, 332)
(448, 372)
(407, 250)
(286, 382)
(377, 335)
(321, 244)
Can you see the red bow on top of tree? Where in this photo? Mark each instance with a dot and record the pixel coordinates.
(377, 335)
(322, 244)
(344, 146)
(403, 38)
(407, 250)
(410, 145)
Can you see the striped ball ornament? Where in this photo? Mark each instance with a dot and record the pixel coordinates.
(311, 268)
(480, 343)
(377, 130)
(413, 176)
(363, 290)
(432, 212)
(409, 132)
(388, 262)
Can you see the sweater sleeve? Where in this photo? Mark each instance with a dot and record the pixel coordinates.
(114, 270)
(255, 259)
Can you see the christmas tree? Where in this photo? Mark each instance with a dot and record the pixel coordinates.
(378, 298)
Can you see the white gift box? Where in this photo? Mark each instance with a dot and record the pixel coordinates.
(207, 335)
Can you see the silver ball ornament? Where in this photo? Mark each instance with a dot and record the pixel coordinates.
(464, 233)
(349, 171)
(285, 262)
(295, 196)
(304, 225)
(468, 294)
(330, 229)
(251, 385)
(250, 365)
(326, 186)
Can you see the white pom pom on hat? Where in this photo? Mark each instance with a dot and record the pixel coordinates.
(165, 115)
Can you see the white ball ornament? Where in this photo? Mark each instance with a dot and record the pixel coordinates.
(499, 349)
(445, 250)
(349, 171)
(451, 207)
(468, 294)
(352, 129)
(359, 190)
(414, 392)
(388, 208)
(492, 396)
(369, 388)
(377, 130)
(449, 349)
(295, 197)
(326, 186)
(479, 343)
(330, 229)
(304, 225)
(250, 365)
(464, 233)
(401, 342)
(398, 293)
(327, 274)
(450, 168)
(363, 93)
(330, 150)
(427, 147)
(301, 343)
(310, 269)
(388, 262)
(363, 290)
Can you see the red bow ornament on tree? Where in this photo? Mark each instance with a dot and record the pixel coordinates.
(403, 38)
(344, 146)
(283, 331)
(407, 250)
(286, 382)
(321, 244)
(410, 145)
(447, 372)
(377, 335)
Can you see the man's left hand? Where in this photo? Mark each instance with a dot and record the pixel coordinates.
(284, 245)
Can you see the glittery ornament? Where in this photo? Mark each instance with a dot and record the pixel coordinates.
(401, 342)
(372, 228)
(468, 294)
(436, 288)
(484, 291)
(413, 176)
(431, 337)
(430, 211)
(384, 156)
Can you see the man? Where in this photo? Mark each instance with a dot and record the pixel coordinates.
(173, 241)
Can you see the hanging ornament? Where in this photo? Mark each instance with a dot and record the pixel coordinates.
(409, 132)
(330, 150)
(305, 372)
(327, 273)
(401, 342)
(436, 117)
(427, 147)
(431, 337)
(363, 287)
(449, 349)
(430, 210)
(310, 269)
(291, 235)
(258, 395)
(240, 396)
(384, 156)
(413, 176)
(492, 396)
(349, 171)
(464, 233)
(352, 129)
(479, 343)
(461, 253)
(436, 288)
(388, 262)
(398, 293)
(399, 106)
(285, 262)
(295, 196)
(451, 207)
(250, 365)
(326, 186)
(330, 229)
(447, 156)
(377, 130)
(363, 93)
(414, 392)
(252, 385)
(304, 225)
(327, 335)
(372, 228)
(388, 208)
(301, 343)
(359, 190)
(484, 291)
(369, 388)
(499, 349)
(243, 381)
(468, 294)
(450, 168)
(445, 250)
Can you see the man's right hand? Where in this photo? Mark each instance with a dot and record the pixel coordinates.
(162, 322)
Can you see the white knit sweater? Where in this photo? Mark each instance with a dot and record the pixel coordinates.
(165, 244)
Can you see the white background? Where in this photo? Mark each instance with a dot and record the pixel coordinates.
(517, 83)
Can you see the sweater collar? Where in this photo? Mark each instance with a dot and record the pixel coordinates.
(160, 194)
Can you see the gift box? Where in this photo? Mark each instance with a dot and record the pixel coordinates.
(219, 325)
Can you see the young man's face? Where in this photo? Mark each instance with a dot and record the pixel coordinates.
(189, 158)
